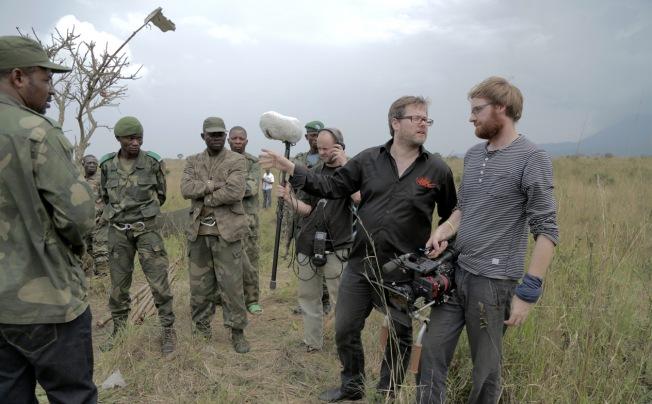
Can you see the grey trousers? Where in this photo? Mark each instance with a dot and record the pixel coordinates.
(481, 304)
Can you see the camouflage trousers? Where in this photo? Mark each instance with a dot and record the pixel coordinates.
(97, 249)
(215, 270)
(250, 262)
(154, 261)
(100, 246)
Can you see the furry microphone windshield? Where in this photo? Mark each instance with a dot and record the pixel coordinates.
(280, 127)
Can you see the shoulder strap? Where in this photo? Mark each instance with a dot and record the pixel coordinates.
(107, 157)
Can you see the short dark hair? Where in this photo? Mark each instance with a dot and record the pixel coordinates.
(235, 128)
(397, 109)
(4, 73)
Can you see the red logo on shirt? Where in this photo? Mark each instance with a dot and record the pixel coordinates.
(426, 183)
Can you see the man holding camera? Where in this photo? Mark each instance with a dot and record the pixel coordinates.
(400, 185)
(324, 238)
(507, 187)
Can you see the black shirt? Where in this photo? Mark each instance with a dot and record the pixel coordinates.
(332, 216)
(395, 213)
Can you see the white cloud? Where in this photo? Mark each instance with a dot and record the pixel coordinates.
(129, 23)
(229, 33)
(102, 39)
(333, 23)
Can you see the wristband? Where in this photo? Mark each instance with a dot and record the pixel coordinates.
(530, 289)
(450, 225)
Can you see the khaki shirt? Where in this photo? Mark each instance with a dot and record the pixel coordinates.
(46, 211)
(228, 172)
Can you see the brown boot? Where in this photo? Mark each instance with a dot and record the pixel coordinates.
(239, 342)
(168, 340)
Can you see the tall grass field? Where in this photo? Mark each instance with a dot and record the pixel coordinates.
(588, 340)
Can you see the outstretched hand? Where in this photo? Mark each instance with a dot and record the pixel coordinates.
(270, 159)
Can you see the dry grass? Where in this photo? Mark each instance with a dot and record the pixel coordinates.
(589, 339)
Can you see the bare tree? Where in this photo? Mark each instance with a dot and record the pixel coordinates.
(98, 78)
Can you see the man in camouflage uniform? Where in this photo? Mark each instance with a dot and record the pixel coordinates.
(46, 210)
(238, 142)
(133, 190)
(214, 181)
(96, 242)
(308, 159)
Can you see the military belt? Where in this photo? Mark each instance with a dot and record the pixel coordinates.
(136, 226)
(208, 221)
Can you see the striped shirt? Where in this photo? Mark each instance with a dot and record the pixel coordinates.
(503, 192)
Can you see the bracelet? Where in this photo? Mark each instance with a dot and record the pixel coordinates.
(530, 289)
(450, 225)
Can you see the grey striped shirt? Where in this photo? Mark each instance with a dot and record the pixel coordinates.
(503, 192)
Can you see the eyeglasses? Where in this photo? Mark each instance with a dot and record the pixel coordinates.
(417, 119)
(478, 108)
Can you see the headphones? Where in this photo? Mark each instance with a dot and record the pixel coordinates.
(337, 135)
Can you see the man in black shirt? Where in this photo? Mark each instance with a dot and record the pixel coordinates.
(324, 237)
(400, 185)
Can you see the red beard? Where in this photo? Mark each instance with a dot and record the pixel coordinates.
(490, 128)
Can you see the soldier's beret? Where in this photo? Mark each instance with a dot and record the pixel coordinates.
(314, 126)
(128, 126)
(17, 51)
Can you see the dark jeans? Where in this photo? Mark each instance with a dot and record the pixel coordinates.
(482, 304)
(58, 356)
(356, 297)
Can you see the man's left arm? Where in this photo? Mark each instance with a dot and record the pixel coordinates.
(541, 212)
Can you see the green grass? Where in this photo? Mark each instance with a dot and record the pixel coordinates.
(589, 340)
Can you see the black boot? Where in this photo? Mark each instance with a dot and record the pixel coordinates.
(338, 394)
(168, 340)
(240, 343)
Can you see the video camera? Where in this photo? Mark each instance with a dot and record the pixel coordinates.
(421, 277)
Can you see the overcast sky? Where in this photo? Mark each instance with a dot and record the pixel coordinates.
(581, 65)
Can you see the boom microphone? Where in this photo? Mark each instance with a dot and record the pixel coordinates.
(280, 127)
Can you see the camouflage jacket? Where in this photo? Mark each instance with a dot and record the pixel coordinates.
(46, 210)
(94, 182)
(134, 195)
(252, 186)
(303, 159)
(228, 171)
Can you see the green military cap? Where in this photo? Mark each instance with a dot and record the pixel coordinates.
(314, 126)
(17, 51)
(128, 126)
(214, 124)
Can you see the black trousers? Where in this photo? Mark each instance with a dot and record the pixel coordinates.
(58, 356)
(357, 296)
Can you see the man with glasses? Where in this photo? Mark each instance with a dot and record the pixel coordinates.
(506, 188)
(400, 184)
